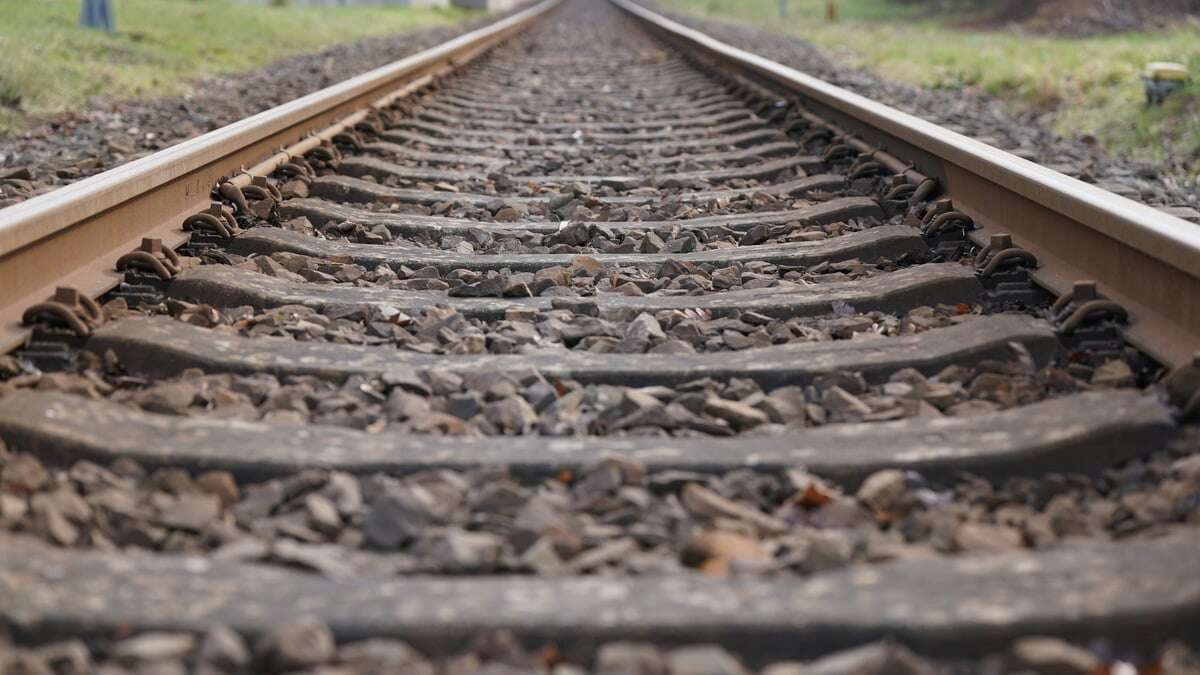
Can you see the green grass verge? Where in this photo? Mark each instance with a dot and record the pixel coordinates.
(1088, 86)
(48, 63)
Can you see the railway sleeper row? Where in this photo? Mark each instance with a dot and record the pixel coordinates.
(585, 344)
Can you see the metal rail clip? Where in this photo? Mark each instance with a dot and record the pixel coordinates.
(796, 124)
(840, 151)
(261, 188)
(373, 125)
(348, 138)
(218, 221)
(1088, 323)
(816, 133)
(945, 228)
(151, 257)
(1004, 270)
(298, 168)
(1083, 305)
(865, 167)
(942, 218)
(233, 193)
(326, 152)
(68, 308)
(1000, 254)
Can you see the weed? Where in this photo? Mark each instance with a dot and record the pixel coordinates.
(1085, 86)
(50, 64)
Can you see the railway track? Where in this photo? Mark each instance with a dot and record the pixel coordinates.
(589, 329)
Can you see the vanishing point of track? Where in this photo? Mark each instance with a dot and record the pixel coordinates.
(591, 328)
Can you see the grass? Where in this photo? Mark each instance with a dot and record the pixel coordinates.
(1086, 86)
(49, 64)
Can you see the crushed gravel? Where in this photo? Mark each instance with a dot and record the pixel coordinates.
(612, 517)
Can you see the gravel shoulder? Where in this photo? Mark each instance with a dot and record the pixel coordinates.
(974, 114)
(71, 146)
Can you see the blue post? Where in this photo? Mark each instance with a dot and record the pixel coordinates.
(97, 14)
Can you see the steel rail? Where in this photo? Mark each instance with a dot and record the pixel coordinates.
(1142, 258)
(73, 236)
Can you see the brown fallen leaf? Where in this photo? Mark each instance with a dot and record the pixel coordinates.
(713, 551)
(815, 497)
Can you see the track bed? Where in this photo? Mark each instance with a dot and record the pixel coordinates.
(591, 343)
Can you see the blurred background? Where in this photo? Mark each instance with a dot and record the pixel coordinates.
(1075, 64)
(52, 63)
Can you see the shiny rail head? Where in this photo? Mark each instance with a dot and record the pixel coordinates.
(73, 236)
(1167, 237)
(46, 214)
(1143, 258)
